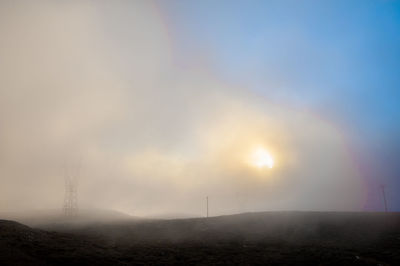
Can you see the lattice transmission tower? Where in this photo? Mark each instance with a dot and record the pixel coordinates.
(70, 207)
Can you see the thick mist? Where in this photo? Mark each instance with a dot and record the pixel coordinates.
(95, 84)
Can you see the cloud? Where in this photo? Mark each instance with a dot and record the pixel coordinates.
(95, 82)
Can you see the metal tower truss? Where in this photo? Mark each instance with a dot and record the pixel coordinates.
(70, 207)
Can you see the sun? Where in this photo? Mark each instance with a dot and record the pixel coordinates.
(261, 158)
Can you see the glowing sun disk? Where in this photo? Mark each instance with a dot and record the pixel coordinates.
(262, 158)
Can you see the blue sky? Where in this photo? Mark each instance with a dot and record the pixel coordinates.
(340, 59)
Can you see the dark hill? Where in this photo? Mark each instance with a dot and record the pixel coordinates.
(22, 245)
(247, 239)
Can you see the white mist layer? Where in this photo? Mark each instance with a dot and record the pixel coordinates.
(95, 83)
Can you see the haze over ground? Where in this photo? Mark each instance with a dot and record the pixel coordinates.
(164, 103)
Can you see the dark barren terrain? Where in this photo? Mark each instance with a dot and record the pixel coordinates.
(278, 238)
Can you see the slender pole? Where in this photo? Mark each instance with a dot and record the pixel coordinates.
(207, 205)
(384, 197)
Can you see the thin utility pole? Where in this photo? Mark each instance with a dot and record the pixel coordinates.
(207, 205)
(384, 197)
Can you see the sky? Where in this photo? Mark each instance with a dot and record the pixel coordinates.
(339, 59)
(154, 105)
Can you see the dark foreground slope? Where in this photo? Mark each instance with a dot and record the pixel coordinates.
(246, 239)
(21, 245)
